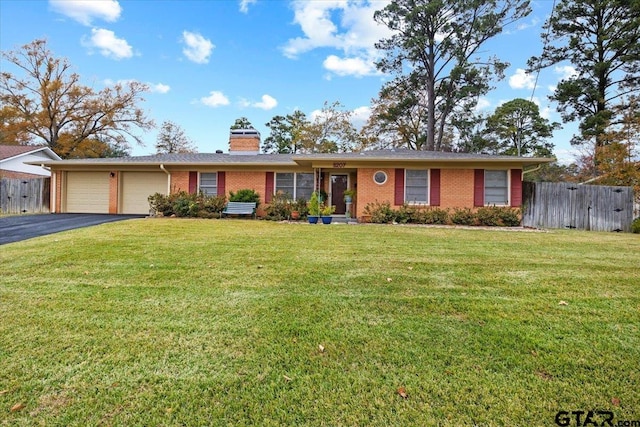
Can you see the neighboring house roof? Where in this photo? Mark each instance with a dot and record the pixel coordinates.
(25, 159)
(364, 157)
(9, 151)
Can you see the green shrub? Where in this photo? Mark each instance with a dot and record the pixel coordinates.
(488, 216)
(213, 205)
(301, 206)
(381, 213)
(510, 217)
(160, 204)
(183, 204)
(245, 195)
(463, 217)
(279, 208)
(406, 214)
(635, 226)
(434, 216)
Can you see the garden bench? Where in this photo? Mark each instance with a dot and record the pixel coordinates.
(240, 208)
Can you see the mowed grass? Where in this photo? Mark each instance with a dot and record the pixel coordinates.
(239, 322)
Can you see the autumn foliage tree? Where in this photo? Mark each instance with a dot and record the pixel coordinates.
(618, 160)
(47, 104)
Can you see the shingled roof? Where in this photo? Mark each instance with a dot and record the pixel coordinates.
(215, 159)
(9, 151)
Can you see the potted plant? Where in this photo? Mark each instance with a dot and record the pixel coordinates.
(314, 208)
(325, 213)
(349, 195)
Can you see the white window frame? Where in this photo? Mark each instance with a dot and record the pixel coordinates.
(418, 202)
(295, 183)
(200, 188)
(386, 177)
(508, 187)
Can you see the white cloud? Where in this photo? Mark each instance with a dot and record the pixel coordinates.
(244, 5)
(522, 80)
(215, 99)
(159, 88)
(347, 26)
(360, 116)
(349, 66)
(84, 11)
(108, 44)
(565, 72)
(483, 104)
(268, 102)
(198, 48)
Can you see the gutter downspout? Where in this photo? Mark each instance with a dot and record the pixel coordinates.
(52, 203)
(531, 170)
(168, 178)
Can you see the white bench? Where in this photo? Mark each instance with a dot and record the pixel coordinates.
(240, 208)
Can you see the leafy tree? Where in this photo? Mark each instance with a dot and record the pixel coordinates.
(172, 139)
(50, 105)
(435, 50)
(12, 128)
(516, 128)
(554, 172)
(94, 148)
(286, 132)
(471, 132)
(618, 161)
(398, 118)
(600, 39)
(331, 131)
(242, 123)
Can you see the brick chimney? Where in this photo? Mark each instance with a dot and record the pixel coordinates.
(244, 141)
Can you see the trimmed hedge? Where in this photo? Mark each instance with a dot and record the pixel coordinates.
(183, 204)
(494, 216)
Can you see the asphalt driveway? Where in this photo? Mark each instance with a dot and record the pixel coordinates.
(23, 227)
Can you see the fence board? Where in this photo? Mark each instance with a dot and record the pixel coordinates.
(584, 207)
(19, 196)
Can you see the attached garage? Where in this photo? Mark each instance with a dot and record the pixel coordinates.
(137, 187)
(87, 192)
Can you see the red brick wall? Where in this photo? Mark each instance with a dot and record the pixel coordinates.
(179, 181)
(456, 188)
(114, 179)
(57, 203)
(368, 191)
(249, 143)
(238, 180)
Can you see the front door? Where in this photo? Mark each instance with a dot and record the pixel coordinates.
(338, 185)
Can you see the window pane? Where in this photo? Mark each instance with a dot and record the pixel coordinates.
(209, 183)
(416, 186)
(304, 185)
(284, 183)
(496, 188)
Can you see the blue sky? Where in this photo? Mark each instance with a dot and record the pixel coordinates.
(211, 62)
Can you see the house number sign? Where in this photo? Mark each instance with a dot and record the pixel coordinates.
(339, 165)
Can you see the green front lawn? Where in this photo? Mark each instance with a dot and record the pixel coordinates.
(241, 322)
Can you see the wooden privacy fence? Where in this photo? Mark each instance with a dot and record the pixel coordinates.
(584, 207)
(18, 196)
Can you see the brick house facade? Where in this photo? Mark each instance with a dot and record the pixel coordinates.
(446, 180)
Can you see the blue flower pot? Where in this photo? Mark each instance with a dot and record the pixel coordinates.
(326, 219)
(312, 219)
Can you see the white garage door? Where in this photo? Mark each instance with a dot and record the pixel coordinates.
(137, 187)
(87, 192)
